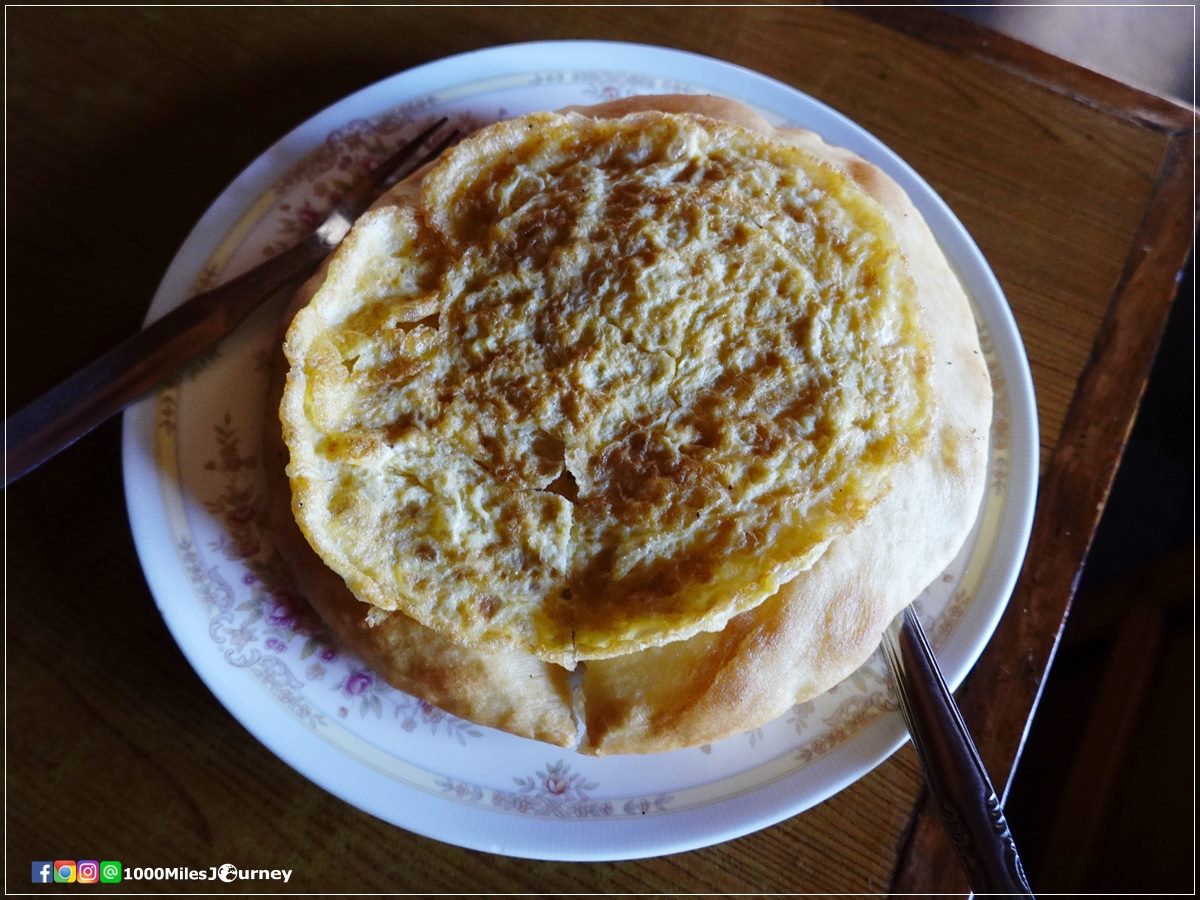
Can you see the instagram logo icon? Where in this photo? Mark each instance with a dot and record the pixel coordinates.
(88, 871)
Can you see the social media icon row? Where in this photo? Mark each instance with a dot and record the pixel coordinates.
(70, 871)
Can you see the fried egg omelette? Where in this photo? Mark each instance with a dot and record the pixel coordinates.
(651, 385)
(603, 384)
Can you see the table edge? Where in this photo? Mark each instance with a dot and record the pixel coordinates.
(1073, 491)
(1084, 462)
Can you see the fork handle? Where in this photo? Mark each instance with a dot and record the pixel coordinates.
(958, 782)
(106, 386)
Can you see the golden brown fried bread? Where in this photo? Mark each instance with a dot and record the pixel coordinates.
(797, 643)
(503, 689)
(605, 382)
(827, 621)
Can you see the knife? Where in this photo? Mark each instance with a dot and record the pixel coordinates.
(132, 368)
(958, 782)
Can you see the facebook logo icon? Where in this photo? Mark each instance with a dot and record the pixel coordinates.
(43, 873)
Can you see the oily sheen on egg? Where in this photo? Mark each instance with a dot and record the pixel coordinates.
(602, 384)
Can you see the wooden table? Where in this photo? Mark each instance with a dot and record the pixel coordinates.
(123, 124)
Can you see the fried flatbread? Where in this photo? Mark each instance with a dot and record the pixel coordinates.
(827, 621)
(604, 384)
(508, 690)
(806, 636)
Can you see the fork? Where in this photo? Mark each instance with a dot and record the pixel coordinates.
(134, 367)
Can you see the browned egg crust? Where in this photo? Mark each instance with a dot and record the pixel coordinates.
(602, 384)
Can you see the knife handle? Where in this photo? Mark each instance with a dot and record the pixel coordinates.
(106, 386)
(958, 782)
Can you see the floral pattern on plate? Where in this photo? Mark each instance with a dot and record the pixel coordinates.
(555, 792)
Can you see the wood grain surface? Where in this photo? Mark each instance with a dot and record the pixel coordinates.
(123, 124)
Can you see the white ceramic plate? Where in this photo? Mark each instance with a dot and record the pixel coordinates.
(194, 485)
